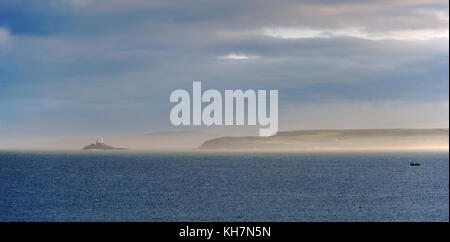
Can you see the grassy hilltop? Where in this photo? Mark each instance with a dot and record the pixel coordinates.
(337, 140)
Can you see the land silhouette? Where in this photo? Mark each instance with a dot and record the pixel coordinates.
(352, 139)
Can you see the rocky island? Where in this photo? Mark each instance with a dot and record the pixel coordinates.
(100, 145)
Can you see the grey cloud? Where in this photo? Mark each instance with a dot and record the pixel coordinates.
(117, 62)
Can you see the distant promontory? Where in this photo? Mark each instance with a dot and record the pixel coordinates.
(353, 139)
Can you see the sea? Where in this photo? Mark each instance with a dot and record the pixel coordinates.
(198, 186)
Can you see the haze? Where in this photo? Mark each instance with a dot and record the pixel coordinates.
(82, 69)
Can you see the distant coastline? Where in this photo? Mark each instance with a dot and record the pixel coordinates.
(357, 139)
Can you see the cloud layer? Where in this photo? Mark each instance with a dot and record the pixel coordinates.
(82, 66)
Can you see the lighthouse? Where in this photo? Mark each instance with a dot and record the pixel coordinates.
(99, 141)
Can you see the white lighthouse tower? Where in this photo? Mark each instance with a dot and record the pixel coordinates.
(100, 140)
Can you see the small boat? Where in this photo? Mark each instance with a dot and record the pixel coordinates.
(415, 164)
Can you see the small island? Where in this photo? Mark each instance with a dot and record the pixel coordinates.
(100, 145)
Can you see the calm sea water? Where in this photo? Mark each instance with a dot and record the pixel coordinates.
(125, 186)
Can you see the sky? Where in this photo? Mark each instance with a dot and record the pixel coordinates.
(97, 67)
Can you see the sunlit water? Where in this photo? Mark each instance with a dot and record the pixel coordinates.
(126, 186)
